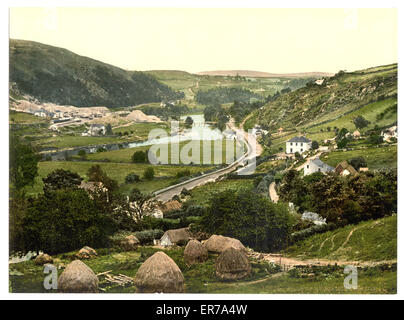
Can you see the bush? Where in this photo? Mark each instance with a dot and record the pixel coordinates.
(305, 233)
(140, 157)
(132, 178)
(148, 174)
(183, 173)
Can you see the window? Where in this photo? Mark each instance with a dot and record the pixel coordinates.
(291, 150)
(301, 144)
(301, 150)
(307, 166)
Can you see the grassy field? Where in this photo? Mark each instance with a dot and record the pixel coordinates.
(26, 118)
(164, 175)
(374, 240)
(376, 158)
(200, 278)
(369, 112)
(202, 194)
(219, 148)
(141, 129)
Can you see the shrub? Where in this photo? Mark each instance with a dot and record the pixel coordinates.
(132, 178)
(140, 157)
(148, 174)
(183, 173)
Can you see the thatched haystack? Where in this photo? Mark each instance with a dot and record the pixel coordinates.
(129, 243)
(159, 273)
(232, 264)
(218, 244)
(86, 253)
(43, 259)
(195, 252)
(78, 278)
(176, 237)
(170, 206)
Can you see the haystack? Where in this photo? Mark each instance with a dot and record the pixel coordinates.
(218, 244)
(195, 252)
(86, 253)
(43, 259)
(159, 273)
(170, 206)
(129, 243)
(78, 278)
(232, 264)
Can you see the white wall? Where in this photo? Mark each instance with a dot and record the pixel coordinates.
(292, 147)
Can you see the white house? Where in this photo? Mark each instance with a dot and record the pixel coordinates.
(298, 144)
(316, 165)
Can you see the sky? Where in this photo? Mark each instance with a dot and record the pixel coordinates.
(203, 39)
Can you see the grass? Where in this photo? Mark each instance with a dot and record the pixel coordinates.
(376, 157)
(202, 194)
(25, 118)
(26, 277)
(374, 240)
(140, 129)
(165, 174)
(369, 112)
(219, 148)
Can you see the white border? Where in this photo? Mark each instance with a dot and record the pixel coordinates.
(173, 3)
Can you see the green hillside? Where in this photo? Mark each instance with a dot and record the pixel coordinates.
(338, 96)
(374, 240)
(56, 75)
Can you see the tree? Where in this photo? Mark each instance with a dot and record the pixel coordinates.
(108, 130)
(148, 173)
(189, 122)
(358, 162)
(249, 217)
(360, 122)
(65, 220)
(140, 157)
(96, 174)
(82, 153)
(23, 163)
(342, 143)
(375, 139)
(61, 179)
(314, 145)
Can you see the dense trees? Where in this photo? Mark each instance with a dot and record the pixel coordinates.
(189, 122)
(249, 217)
(360, 122)
(225, 95)
(343, 199)
(61, 179)
(169, 111)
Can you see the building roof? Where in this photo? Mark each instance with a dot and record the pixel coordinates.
(176, 235)
(321, 164)
(299, 139)
(97, 125)
(344, 165)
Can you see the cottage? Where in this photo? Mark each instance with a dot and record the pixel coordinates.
(316, 165)
(356, 134)
(175, 236)
(298, 144)
(344, 169)
(97, 129)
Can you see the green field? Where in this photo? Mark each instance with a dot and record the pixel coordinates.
(374, 240)
(213, 148)
(202, 194)
(165, 175)
(376, 157)
(26, 277)
(26, 118)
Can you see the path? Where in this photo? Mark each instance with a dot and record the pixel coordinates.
(272, 193)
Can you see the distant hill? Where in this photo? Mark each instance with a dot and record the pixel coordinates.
(260, 74)
(334, 97)
(56, 75)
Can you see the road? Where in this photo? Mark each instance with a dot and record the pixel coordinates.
(272, 193)
(167, 193)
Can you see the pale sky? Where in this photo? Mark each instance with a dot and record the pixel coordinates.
(270, 40)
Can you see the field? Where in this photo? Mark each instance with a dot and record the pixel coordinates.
(202, 194)
(25, 118)
(376, 157)
(164, 175)
(374, 240)
(217, 151)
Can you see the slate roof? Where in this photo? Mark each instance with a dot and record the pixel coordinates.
(321, 164)
(299, 139)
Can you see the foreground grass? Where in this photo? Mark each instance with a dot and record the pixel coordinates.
(26, 277)
(165, 175)
(374, 240)
(376, 157)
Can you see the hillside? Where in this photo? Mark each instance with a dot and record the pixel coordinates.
(56, 75)
(337, 96)
(374, 240)
(260, 74)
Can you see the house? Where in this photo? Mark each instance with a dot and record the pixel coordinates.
(344, 169)
(316, 165)
(41, 113)
(298, 144)
(175, 236)
(389, 133)
(319, 82)
(97, 129)
(356, 134)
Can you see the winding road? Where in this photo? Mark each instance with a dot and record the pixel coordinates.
(166, 194)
